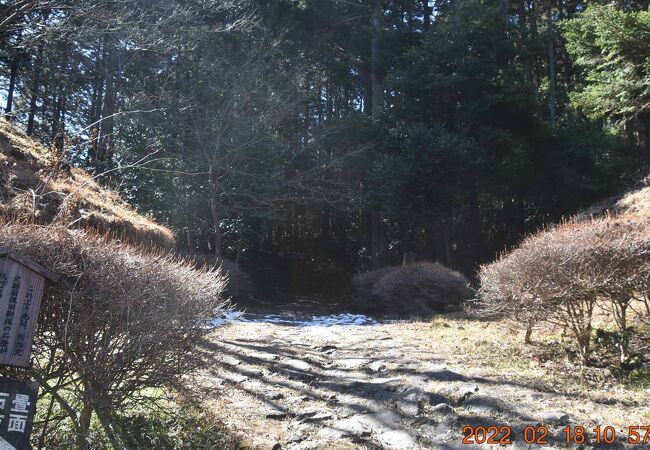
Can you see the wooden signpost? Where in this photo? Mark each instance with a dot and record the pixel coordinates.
(21, 287)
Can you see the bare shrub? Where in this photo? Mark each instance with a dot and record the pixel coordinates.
(546, 278)
(238, 283)
(560, 274)
(364, 282)
(420, 288)
(121, 321)
(504, 291)
(539, 281)
(430, 286)
(621, 258)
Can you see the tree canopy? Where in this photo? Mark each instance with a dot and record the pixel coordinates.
(612, 47)
(309, 139)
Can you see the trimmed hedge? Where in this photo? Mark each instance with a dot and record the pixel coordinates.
(120, 322)
(415, 289)
(562, 274)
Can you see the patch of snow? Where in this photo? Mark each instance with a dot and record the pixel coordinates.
(313, 321)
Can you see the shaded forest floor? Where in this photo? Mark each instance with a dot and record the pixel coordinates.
(401, 385)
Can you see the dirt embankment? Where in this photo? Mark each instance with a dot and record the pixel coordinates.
(37, 187)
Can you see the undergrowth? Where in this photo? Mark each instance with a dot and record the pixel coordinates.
(170, 425)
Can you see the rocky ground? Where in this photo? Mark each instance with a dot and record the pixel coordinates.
(389, 385)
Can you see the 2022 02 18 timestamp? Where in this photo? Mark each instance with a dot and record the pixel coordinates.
(572, 435)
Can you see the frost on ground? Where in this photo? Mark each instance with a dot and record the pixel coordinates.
(386, 386)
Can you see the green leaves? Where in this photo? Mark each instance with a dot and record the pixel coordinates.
(612, 48)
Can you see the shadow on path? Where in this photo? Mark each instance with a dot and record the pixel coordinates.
(355, 387)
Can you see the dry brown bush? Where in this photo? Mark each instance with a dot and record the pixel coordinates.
(621, 259)
(121, 320)
(535, 280)
(560, 274)
(415, 289)
(364, 282)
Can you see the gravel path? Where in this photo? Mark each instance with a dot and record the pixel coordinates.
(366, 386)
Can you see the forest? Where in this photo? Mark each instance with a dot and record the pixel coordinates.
(335, 136)
(306, 224)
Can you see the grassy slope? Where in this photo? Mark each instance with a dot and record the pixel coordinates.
(34, 190)
(636, 201)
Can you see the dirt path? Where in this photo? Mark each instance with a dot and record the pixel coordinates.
(374, 386)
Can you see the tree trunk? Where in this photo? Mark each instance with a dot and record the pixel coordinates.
(85, 416)
(427, 11)
(326, 225)
(526, 59)
(217, 235)
(36, 82)
(58, 121)
(475, 225)
(95, 110)
(366, 87)
(12, 85)
(529, 334)
(371, 236)
(409, 258)
(106, 138)
(58, 127)
(644, 118)
(375, 239)
(443, 244)
(621, 305)
(330, 99)
(105, 420)
(584, 342)
(579, 314)
(376, 64)
(552, 95)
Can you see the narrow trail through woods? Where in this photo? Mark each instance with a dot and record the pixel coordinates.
(314, 385)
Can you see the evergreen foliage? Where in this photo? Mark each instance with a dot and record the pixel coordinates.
(312, 138)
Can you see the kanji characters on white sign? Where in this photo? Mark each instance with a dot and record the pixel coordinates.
(17, 423)
(20, 403)
(17, 409)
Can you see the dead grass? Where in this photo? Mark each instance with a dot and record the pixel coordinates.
(491, 353)
(635, 202)
(34, 193)
(495, 348)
